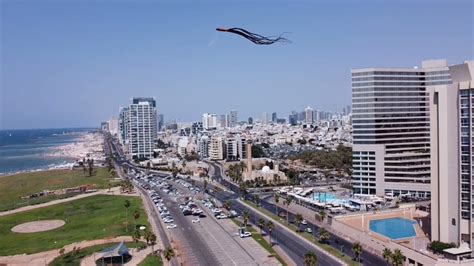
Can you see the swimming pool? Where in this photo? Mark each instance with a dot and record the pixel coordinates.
(394, 228)
(324, 197)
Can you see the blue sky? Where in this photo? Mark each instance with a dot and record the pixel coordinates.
(74, 63)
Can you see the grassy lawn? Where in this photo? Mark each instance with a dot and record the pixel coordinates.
(74, 258)
(89, 218)
(260, 240)
(151, 260)
(328, 248)
(15, 186)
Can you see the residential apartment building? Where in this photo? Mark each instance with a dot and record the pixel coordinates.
(123, 125)
(235, 147)
(217, 148)
(204, 144)
(142, 127)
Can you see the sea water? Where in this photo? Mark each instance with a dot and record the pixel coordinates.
(33, 149)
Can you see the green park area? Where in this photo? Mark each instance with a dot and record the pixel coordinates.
(14, 187)
(151, 260)
(90, 218)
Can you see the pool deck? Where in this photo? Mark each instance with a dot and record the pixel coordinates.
(361, 223)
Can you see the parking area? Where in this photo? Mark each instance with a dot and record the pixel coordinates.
(222, 236)
(203, 232)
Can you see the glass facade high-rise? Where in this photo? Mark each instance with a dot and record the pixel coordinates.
(391, 134)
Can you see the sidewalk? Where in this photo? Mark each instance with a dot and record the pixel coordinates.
(294, 233)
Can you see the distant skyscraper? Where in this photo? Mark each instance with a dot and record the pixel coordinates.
(161, 122)
(233, 119)
(209, 121)
(223, 121)
(293, 118)
(265, 118)
(274, 117)
(301, 116)
(142, 127)
(250, 120)
(308, 115)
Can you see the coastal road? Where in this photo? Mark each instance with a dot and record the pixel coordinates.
(335, 241)
(192, 246)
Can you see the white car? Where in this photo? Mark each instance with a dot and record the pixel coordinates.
(221, 216)
(308, 230)
(304, 222)
(196, 220)
(171, 226)
(245, 234)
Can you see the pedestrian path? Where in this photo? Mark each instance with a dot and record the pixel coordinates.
(113, 191)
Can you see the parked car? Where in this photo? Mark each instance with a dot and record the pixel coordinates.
(243, 233)
(171, 226)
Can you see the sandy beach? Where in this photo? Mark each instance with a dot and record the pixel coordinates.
(89, 145)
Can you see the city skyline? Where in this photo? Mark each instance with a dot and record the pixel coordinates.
(81, 80)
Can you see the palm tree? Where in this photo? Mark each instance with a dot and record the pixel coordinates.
(397, 257)
(256, 198)
(136, 236)
(126, 205)
(288, 201)
(270, 229)
(277, 200)
(136, 215)
(387, 254)
(246, 217)
(323, 235)
(169, 253)
(150, 238)
(261, 224)
(322, 214)
(357, 249)
(298, 220)
(310, 259)
(243, 190)
(226, 205)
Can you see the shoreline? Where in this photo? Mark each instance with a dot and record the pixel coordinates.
(89, 145)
